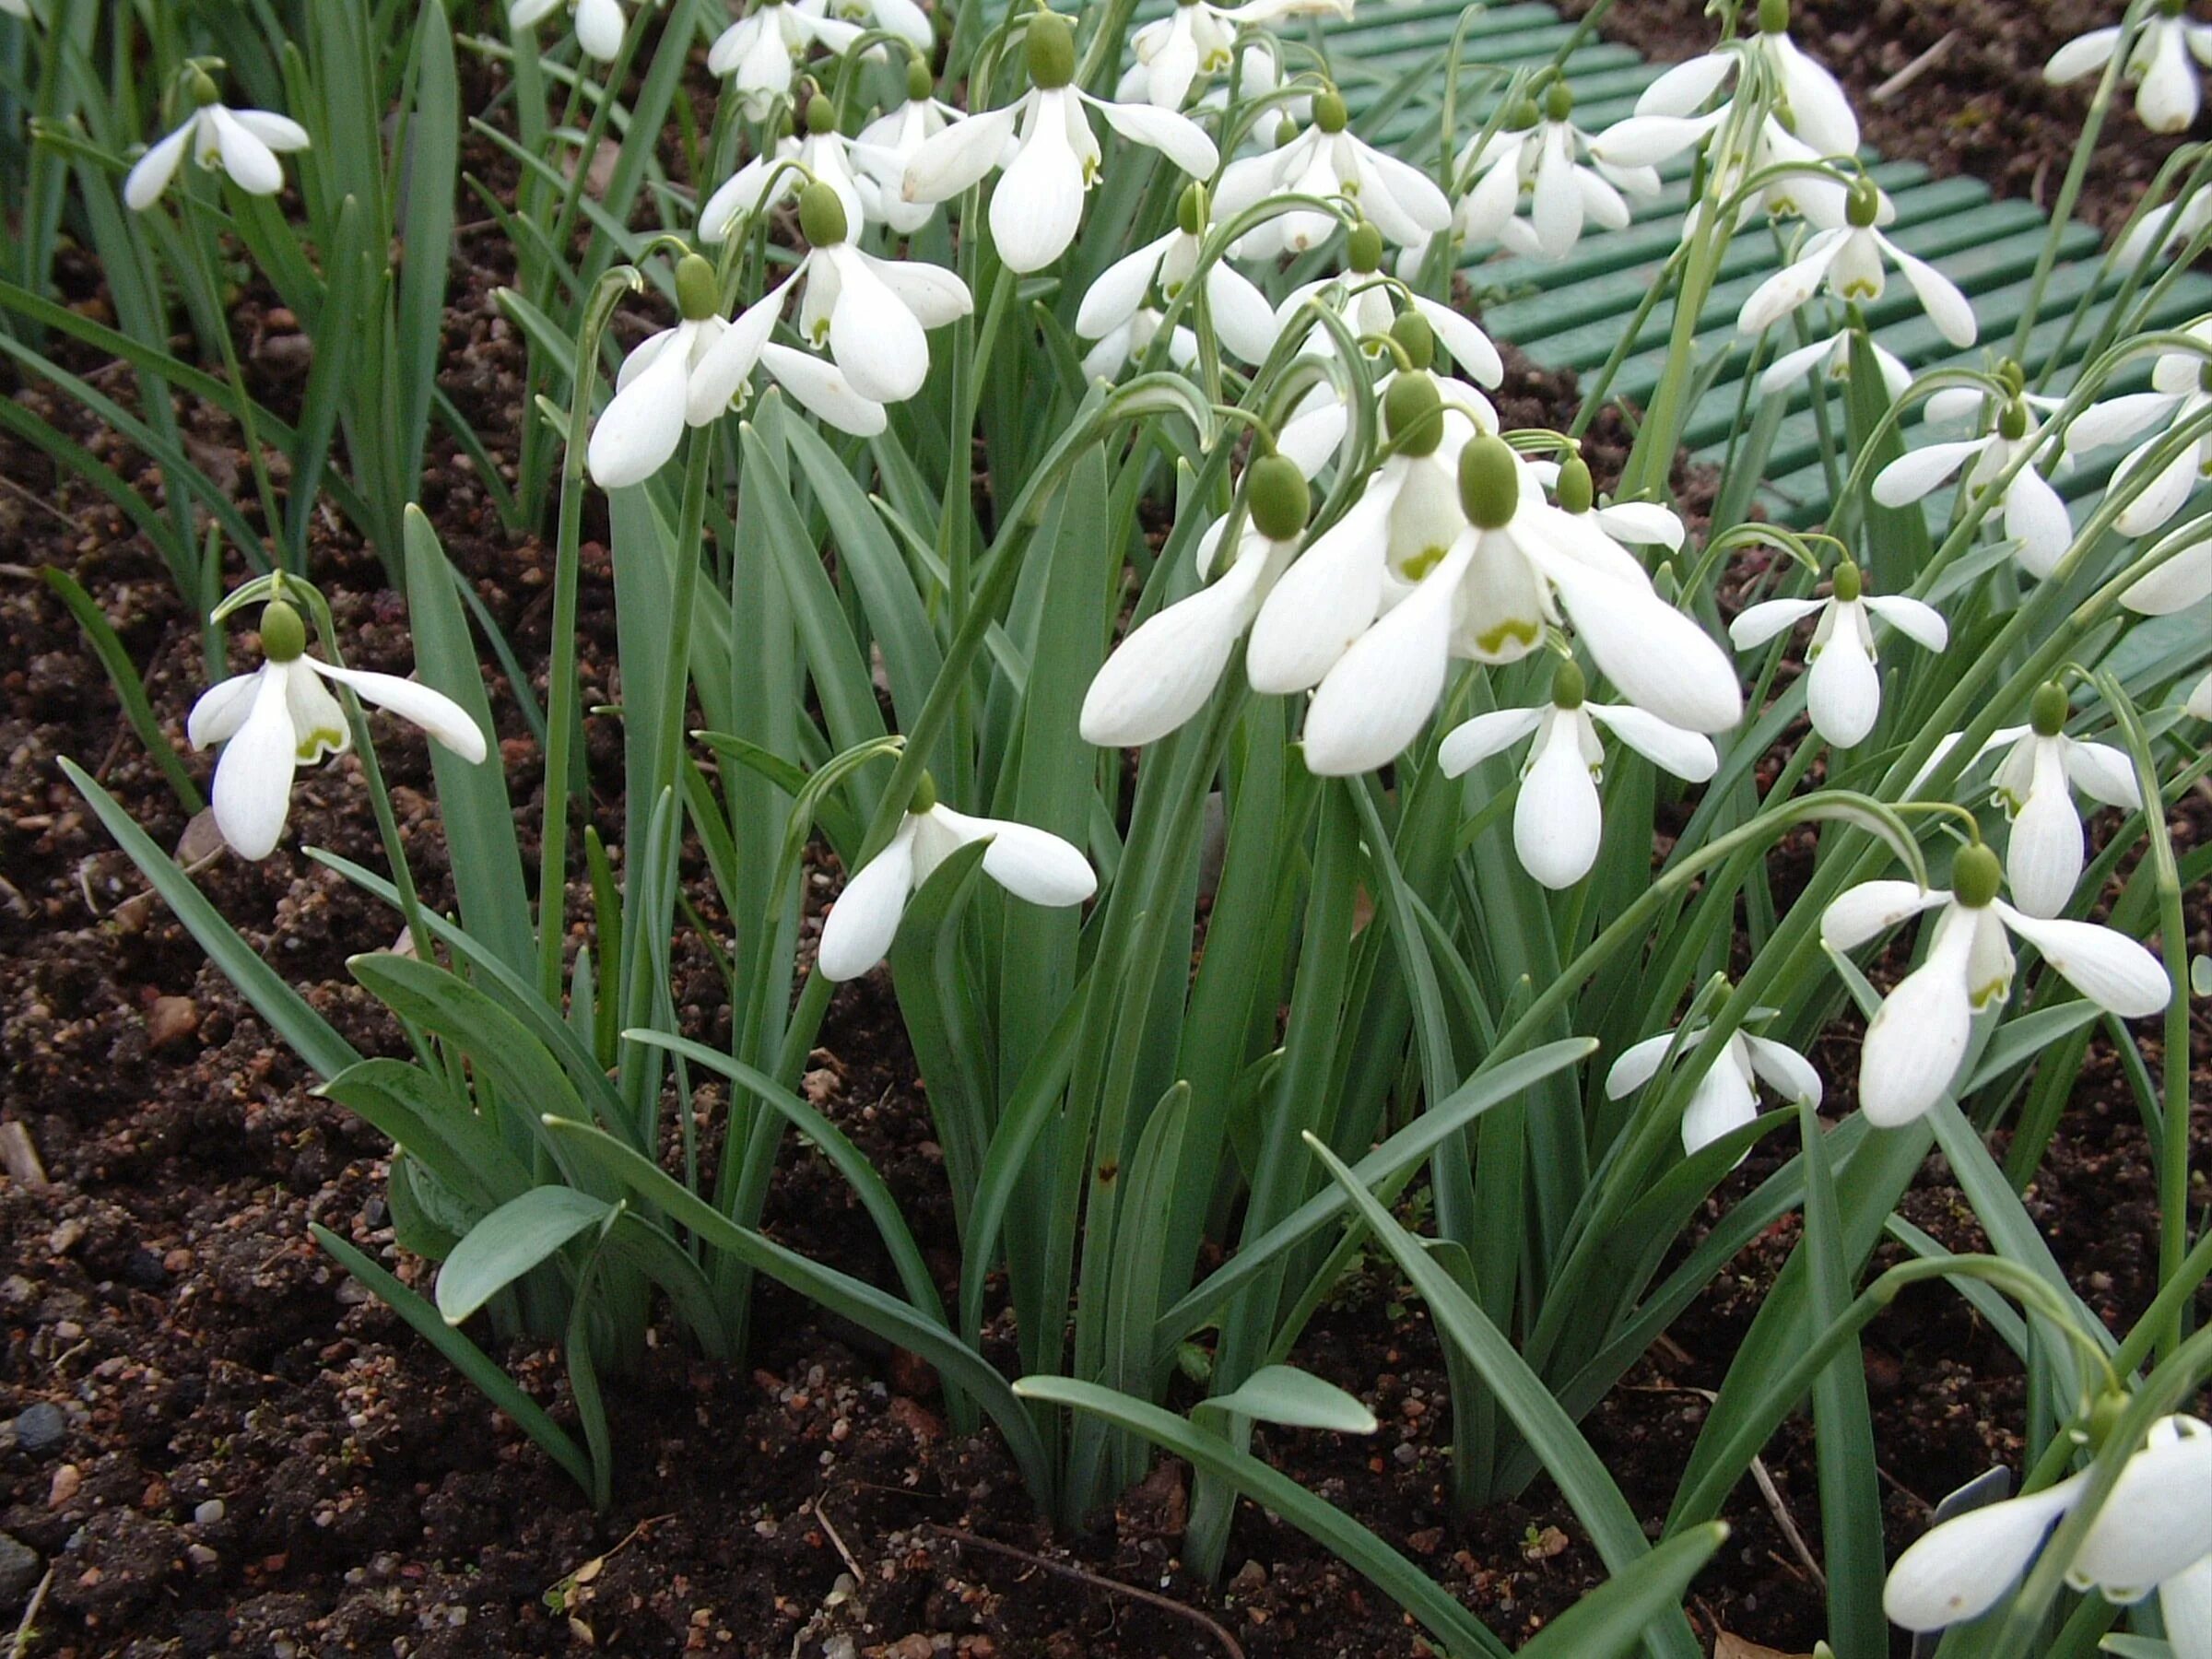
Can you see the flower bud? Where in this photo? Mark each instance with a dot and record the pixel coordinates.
(2047, 710)
(1415, 338)
(1849, 582)
(1277, 497)
(1189, 209)
(283, 634)
(1974, 876)
(1413, 414)
(697, 294)
(1050, 47)
(821, 114)
(1363, 249)
(1574, 490)
(1329, 114)
(919, 83)
(1567, 685)
(1489, 482)
(821, 215)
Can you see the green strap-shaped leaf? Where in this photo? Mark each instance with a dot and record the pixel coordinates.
(509, 1242)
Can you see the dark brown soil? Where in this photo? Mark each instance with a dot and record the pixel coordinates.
(1979, 105)
(212, 1441)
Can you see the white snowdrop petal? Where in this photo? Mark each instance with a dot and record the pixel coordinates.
(2185, 1605)
(725, 366)
(278, 132)
(1039, 202)
(1243, 318)
(2082, 56)
(1413, 196)
(2185, 579)
(2104, 773)
(1649, 140)
(2168, 99)
(1638, 1064)
(1382, 691)
(1661, 659)
(152, 173)
(524, 14)
(2158, 1520)
(252, 788)
(858, 931)
(599, 27)
(1843, 690)
(1857, 915)
(1643, 524)
(1683, 89)
(1757, 624)
(1821, 111)
(1722, 1103)
(821, 389)
(1948, 308)
(2043, 855)
(639, 429)
(1792, 286)
(2035, 516)
(1179, 138)
(1914, 473)
(252, 165)
(1035, 865)
(959, 155)
(1959, 1569)
(1688, 754)
(1919, 622)
(1558, 824)
(2117, 419)
(1113, 298)
(1918, 1037)
(1162, 674)
(1786, 1071)
(2105, 966)
(221, 709)
(1463, 341)
(2162, 498)
(1469, 744)
(439, 715)
(1324, 600)
(874, 338)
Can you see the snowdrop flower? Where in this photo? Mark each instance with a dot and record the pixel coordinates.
(2179, 381)
(2165, 230)
(661, 388)
(1848, 259)
(1832, 357)
(1540, 161)
(2154, 1532)
(1805, 91)
(1918, 1035)
(1800, 186)
(599, 23)
(1557, 821)
(1241, 317)
(1197, 41)
(872, 313)
(243, 144)
(889, 142)
(1038, 205)
(1326, 161)
(1726, 1096)
(1843, 696)
(2185, 579)
(760, 48)
(280, 717)
(2166, 96)
(770, 178)
(2034, 785)
(901, 17)
(2035, 516)
(1162, 674)
(1127, 341)
(1031, 864)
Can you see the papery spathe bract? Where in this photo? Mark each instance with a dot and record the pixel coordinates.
(599, 23)
(1558, 825)
(280, 717)
(1038, 205)
(1031, 864)
(1843, 693)
(1726, 1095)
(1918, 1037)
(2167, 95)
(242, 144)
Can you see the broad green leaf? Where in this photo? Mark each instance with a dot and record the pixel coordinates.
(1297, 1399)
(509, 1242)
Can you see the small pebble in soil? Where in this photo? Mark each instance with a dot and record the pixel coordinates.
(40, 1428)
(209, 1513)
(18, 1568)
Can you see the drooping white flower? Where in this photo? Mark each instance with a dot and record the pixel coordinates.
(774, 177)
(2166, 96)
(1918, 1035)
(280, 717)
(1804, 92)
(1197, 41)
(1162, 674)
(1327, 160)
(242, 144)
(1799, 185)
(1832, 357)
(599, 23)
(1847, 260)
(1557, 823)
(2035, 514)
(1127, 341)
(1029, 862)
(901, 17)
(1726, 1095)
(1241, 318)
(872, 314)
(1843, 696)
(661, 388)
(2153, 1532)
(2178, 392)
(887, 145)
(1038, 205)
(761, 48)
(1542, 161)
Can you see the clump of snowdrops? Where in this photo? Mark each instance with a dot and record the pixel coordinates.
(883, 380)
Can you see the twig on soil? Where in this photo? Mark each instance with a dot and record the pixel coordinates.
(20, 1157)
(822, 1516)
(1097, 1582)
(28, 1628)
(1913, 70)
